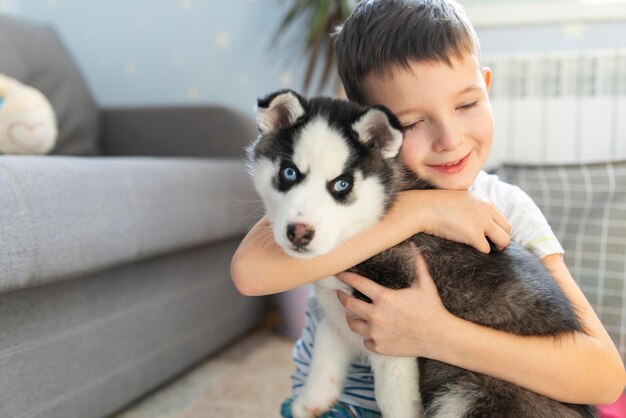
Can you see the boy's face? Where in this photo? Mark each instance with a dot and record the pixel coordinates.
(446, 116)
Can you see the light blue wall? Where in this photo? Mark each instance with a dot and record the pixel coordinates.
(171, 51)
(553, 37)
(137, 52)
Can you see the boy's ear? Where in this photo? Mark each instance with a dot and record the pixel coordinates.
(279, 110)
(377, 127)
(487, 76)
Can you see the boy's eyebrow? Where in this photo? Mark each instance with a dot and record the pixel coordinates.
(468, 89)
(404, 112)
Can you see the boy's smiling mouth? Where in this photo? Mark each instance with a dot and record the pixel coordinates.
(452, 166)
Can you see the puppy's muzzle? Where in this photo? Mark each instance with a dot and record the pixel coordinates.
(300, 234)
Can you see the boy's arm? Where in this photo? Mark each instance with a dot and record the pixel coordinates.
(260, 267)
(584, 367)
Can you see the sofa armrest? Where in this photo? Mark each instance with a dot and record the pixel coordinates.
(63, 217)
(192, 131)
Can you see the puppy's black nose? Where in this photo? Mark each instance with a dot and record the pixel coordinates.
(300, 234)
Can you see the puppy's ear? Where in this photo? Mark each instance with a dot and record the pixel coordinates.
(378, 128)
(279, 110)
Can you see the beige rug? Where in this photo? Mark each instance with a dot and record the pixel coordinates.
(250, 379)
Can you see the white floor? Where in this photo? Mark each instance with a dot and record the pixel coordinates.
(250, 379)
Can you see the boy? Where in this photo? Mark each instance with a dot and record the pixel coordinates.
(421, 59)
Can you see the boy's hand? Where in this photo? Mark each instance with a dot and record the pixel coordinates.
(465, 217)
(403, 322)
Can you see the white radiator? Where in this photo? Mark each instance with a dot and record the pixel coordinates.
(565, 107)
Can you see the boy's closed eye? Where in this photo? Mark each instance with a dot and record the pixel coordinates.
(469, 105)
(411, 126)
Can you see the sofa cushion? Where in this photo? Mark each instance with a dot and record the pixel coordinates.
(35, 56)
(63, 217)
(586, 206)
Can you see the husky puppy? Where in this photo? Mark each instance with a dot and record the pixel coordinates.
(327, 169)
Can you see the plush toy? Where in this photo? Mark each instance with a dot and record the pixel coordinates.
(27, 121)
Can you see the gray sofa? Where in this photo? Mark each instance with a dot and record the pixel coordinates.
(114, 249)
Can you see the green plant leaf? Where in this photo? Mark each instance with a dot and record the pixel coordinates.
(320, 18)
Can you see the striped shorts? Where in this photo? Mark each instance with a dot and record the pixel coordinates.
(339, 410)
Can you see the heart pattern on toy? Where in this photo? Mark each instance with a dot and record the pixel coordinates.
(28, 136)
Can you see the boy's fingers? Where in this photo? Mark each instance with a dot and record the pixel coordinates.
(368, 287)
(502, 222)
(353, 305)
(358, 325)
(498, 216)
(423, 275)
(482, 245)
(369, 344)
(420, 264)
(498, 236)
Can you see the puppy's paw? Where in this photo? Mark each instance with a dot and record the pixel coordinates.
(309, 408)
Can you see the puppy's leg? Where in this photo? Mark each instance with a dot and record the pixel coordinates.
(396, 383)
(331, 359)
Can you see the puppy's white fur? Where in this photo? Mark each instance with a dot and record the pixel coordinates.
(320, 154)
(452, 404)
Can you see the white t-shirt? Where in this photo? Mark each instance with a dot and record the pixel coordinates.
(529, 228)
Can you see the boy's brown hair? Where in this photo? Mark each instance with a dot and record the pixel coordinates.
(381, 34)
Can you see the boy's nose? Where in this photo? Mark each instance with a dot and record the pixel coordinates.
(447, 138)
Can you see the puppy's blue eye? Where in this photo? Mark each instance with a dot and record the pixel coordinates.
(289, 174)
(341, 186)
